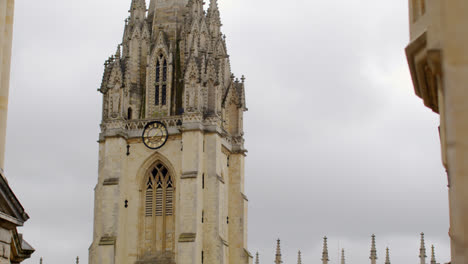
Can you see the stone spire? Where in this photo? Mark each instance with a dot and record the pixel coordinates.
(299, 258)
(77, 260)
(373, 252)
(137, 11)
(213, 12)
(257, 259)
(342, 256)
(278, 252)
(117, 53)
(422, 250)
(433, 259)
(387, 257)
(325, 251)
(40, 261)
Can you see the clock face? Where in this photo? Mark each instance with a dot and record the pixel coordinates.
(155, 135)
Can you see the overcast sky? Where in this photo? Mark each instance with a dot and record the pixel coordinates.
(338, 143)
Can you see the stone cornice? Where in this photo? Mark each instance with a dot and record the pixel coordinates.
(189, 175)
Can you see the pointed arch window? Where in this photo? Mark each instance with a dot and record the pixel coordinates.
(161, 83)
(159, 209)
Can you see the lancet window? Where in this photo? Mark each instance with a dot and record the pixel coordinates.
(161, 81)
(159, 210)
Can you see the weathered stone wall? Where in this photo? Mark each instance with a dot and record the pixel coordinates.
(438, 58)
(6, 36)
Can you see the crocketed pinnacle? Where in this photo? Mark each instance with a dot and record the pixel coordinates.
(40, 260)
(373, 252)
(213, 11)
(343, 261)
(137, 10)
(387, 256)
(299, 258)
(433, 259)
(77, 260)
(325, 251)
(117, 53)
(257, 259)
(422, 250)
(278, 259)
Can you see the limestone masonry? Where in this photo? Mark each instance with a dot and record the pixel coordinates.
(438, 61)
(184, 202)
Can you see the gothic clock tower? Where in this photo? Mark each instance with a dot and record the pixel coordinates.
(171, 148)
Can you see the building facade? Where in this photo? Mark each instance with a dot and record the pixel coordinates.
(13, 248)
(171, 149)
(438, 61)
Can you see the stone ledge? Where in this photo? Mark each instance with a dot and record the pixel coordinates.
(189, 175)
(248, 253)
(245, 197)
(220, 178)
(111, 181)
(107, 241)
(187, 237)
(224, 241)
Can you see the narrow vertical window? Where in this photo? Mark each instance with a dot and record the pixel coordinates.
(165, 70)
(159, 198)
(163, 95)
(149, 198)
(158, 73)
(169, 196)
(129, 114)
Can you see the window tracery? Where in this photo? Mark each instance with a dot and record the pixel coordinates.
(159, 210)
(161, 83)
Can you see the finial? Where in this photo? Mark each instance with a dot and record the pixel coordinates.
(40, 261)
(278, 259)
(257, 259)
(243, 78)
(117, 53)
(433, 259)
(373, 252)
(342, 256)
(422, 250)
(325, 251)
(387, 256)
(299, 258)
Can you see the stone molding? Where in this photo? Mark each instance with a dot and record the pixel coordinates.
(220, 178)
(187, 237)
(107, 241)
(244, 196)
(189, 175)
(111, 181)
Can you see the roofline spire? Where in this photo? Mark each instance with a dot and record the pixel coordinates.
(325, 251)
(343, 256)
(278, 259)
(373, 252)
(422, 250)
(387, 256)
(433, 258)
(299, 257)
(257, 259)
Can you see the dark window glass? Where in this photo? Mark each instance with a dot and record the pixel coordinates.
(165, 71)
(156, 96)
(158, 70)
(164, 94)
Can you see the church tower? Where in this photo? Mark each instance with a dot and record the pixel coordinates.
(170, 185)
